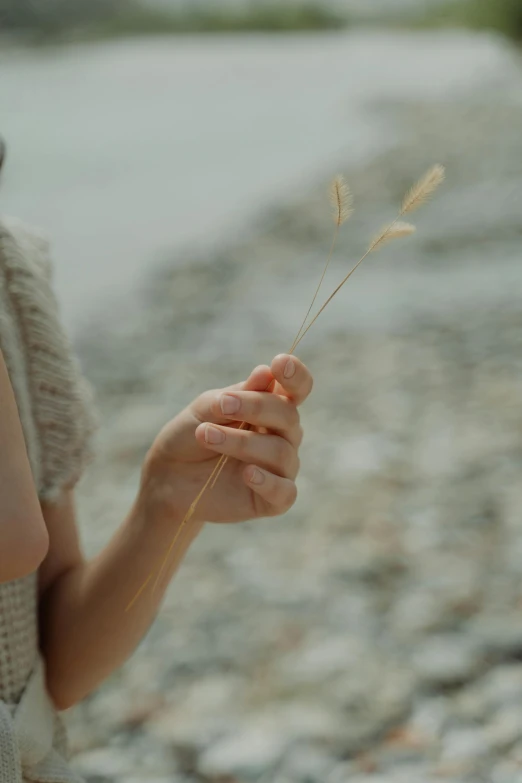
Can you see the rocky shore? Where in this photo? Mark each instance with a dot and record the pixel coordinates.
(374, 634)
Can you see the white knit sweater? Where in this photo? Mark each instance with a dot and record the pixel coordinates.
(56, 414)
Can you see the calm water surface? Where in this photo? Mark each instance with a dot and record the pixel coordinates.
(124, 151)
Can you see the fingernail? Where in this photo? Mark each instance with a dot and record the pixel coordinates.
(213, 435)
(289, 369)
(257, 477)
(229, 404)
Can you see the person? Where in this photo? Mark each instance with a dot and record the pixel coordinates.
(63, 621)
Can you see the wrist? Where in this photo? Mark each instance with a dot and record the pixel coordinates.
(155, 525)
(157, 505)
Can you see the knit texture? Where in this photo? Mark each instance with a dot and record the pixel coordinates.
(29, 738)
(55, 408)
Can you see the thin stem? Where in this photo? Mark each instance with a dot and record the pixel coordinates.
(350, 273)
(330, 254)
(184, 522)
(140, 591)
(223, 460)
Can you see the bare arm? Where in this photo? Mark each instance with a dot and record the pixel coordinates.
(86, 630)
(23, 536)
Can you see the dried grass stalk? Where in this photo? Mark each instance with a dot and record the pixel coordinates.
(415, 197)
(341, 199)
(423, 189)
(398, 230)
(343, 207)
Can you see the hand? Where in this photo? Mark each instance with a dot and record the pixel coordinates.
(259, 477)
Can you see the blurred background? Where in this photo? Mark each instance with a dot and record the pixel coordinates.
(179, 154)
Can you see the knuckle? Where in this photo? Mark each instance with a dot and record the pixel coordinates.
(214, 406)
(294, 415)
(273, 509)
(242, 444)
(288, 496)
(256, 406)
(283, 452)
(202, 403)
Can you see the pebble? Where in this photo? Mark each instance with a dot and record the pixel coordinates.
(498, 635)
(430, 717)
(465, 744)
(320, 659)
(306, 764)
(102, 763)
(251, 752)
(343, 772)
(506, 772)
(502, 685)
(420, 612)
(447, 660)
(506, 727)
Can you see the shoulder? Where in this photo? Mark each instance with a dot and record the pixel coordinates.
(23, 247)
(41, 361)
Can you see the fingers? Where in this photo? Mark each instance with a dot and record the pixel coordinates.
(271, 452)
(296, 387)
(260, 379)
(260, 409)
(207, 408)
(279, 494)
(293, 376)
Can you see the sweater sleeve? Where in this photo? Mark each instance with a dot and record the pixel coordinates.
(54, 400)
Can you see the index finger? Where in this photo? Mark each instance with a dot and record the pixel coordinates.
(293, 376)
(204, 406)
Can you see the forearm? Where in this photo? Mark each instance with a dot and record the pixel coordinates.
(23, 537)
(86, 631)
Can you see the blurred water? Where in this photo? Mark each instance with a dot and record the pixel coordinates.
(359, 6)
(123, 151)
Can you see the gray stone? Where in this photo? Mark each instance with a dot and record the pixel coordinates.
(404, 774)
(516, 754)
(420, 611)
(502, 686)
(430, 717)
(378, 778)
(251, 752)
(322, 658)
(173, 778)
(393, 755)
(105, 762)
(260, 741)
(506, 772)
(343, 772)
(308, 764)
(506, 727)
(498, 634)
(413, 772)
(466, 744)
(447, 660)
(470, 705)
(208, 708)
